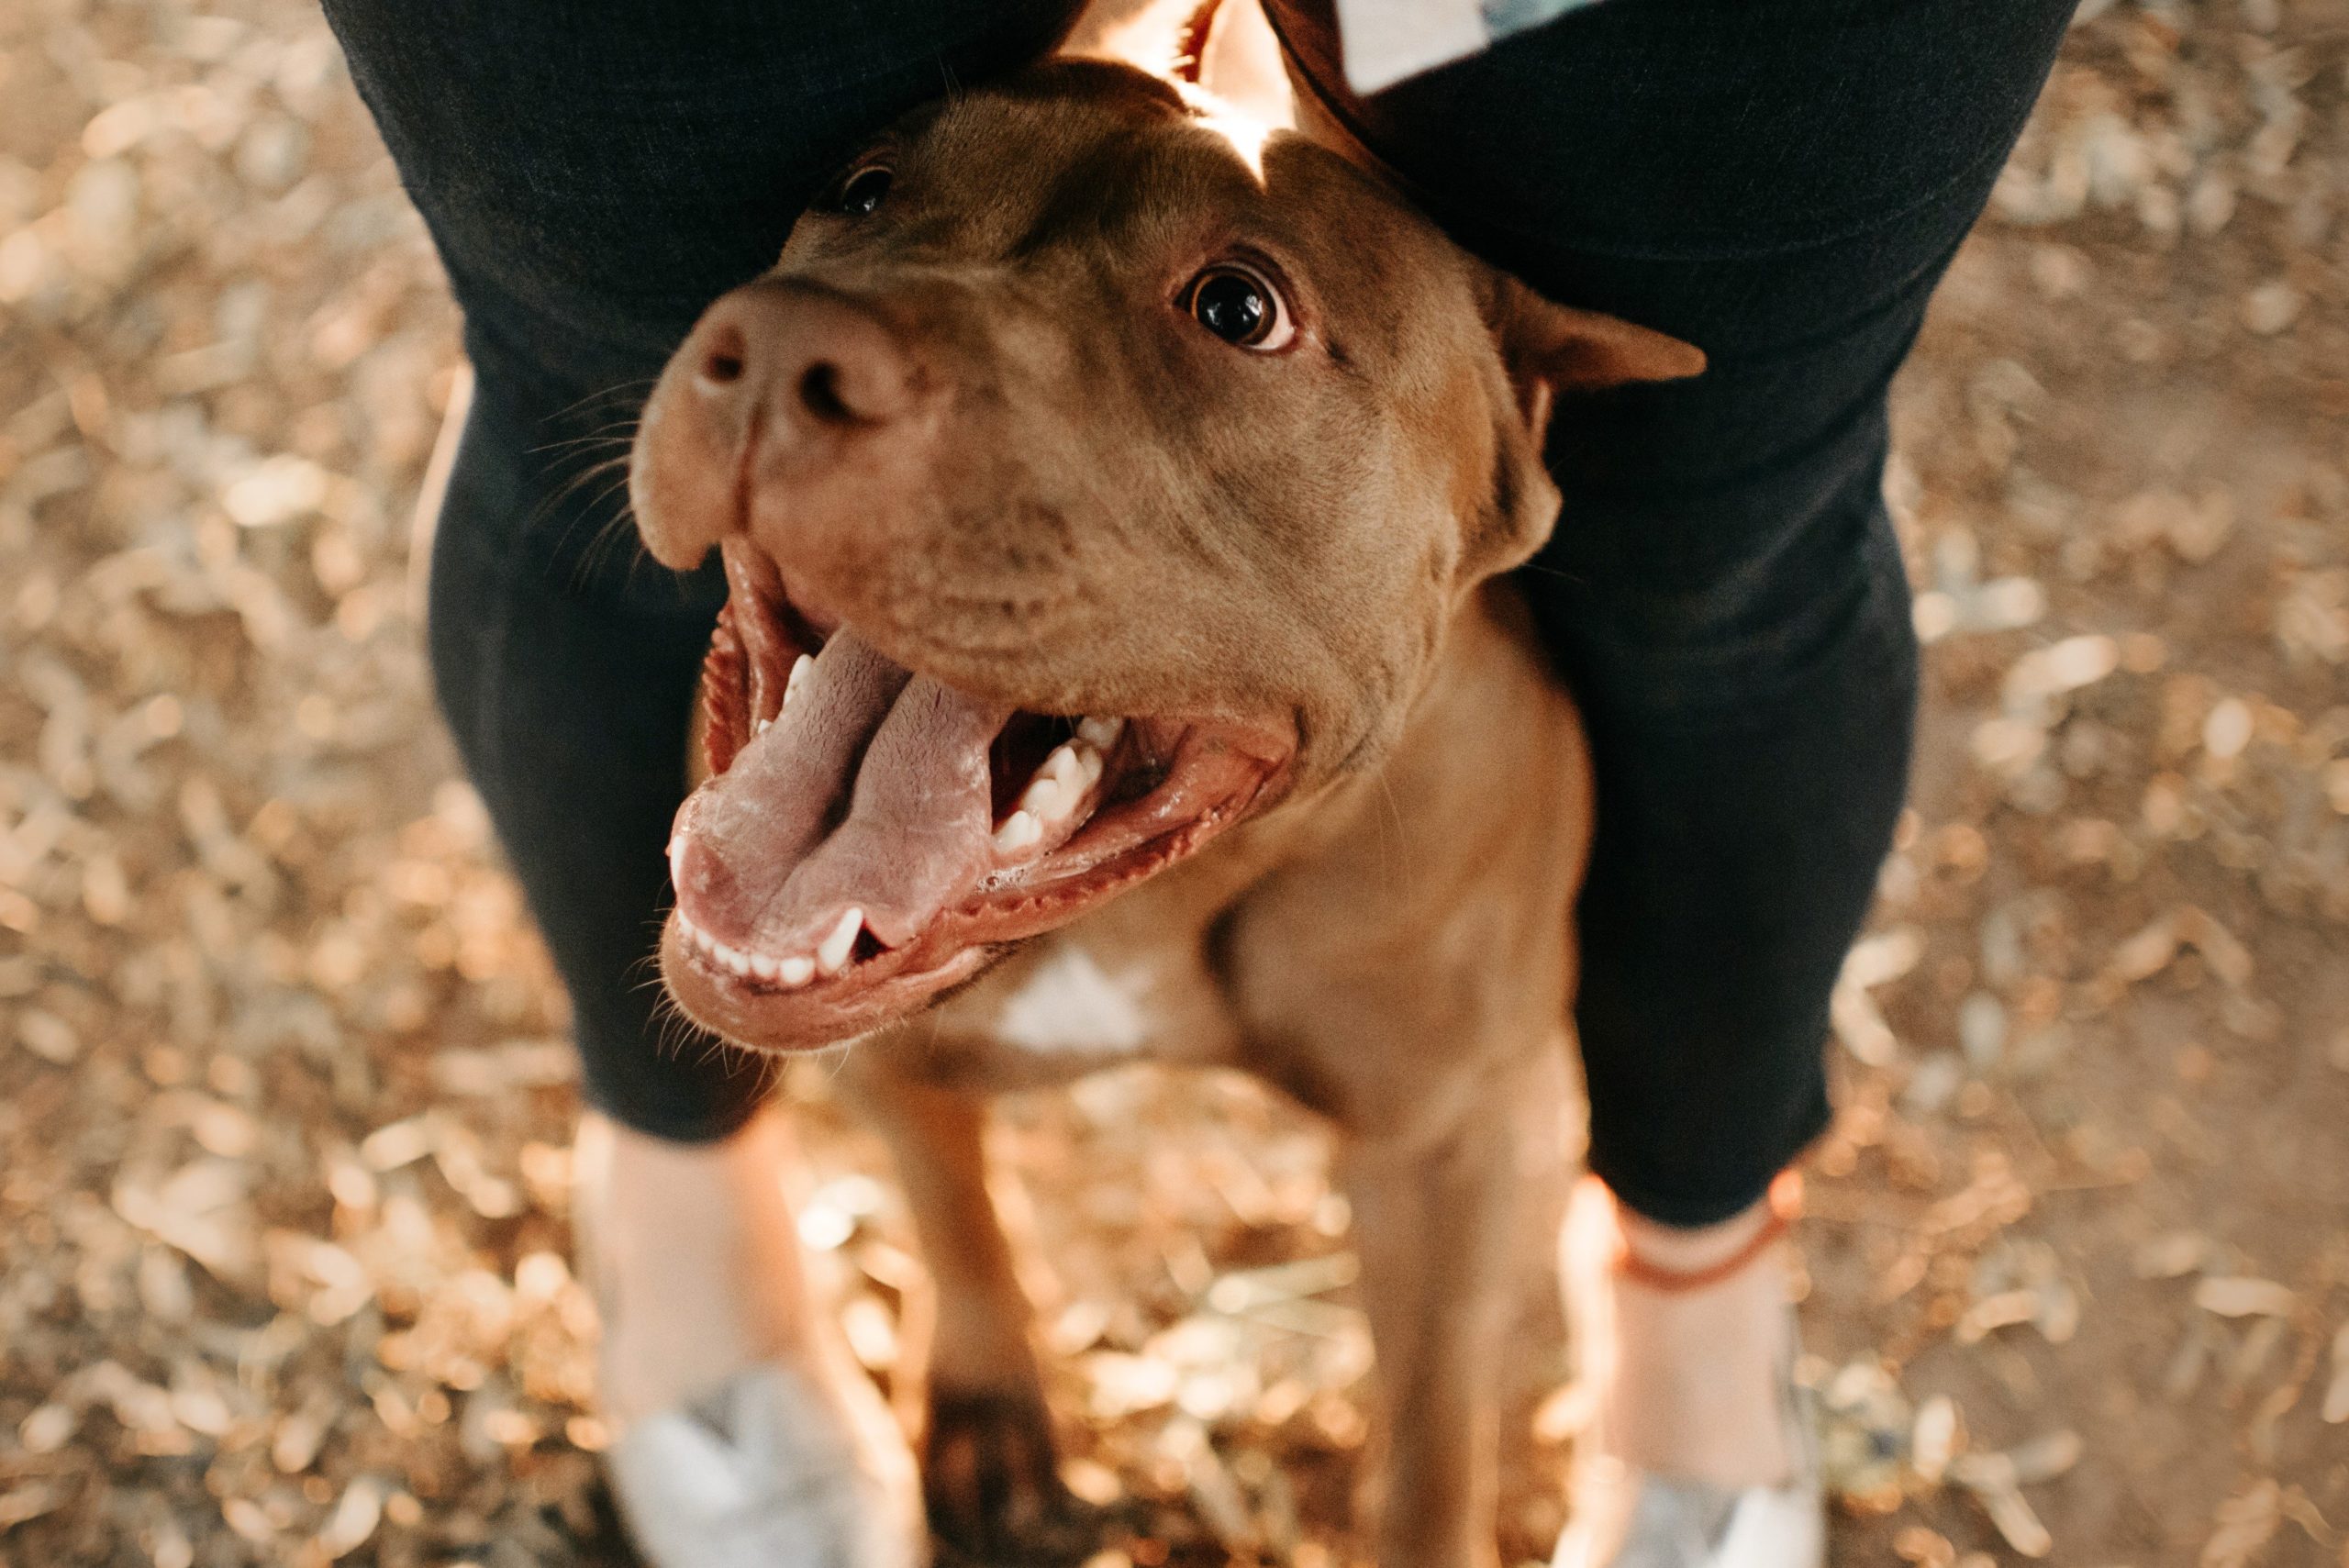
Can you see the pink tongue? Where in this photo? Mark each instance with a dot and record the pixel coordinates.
(871, 791)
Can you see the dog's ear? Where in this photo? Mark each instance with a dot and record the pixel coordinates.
(1548, 349)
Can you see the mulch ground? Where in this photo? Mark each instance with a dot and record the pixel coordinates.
(285, 1103)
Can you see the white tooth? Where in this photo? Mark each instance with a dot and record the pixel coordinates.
(765, 724)
(1089, 766)
(1018, 830)
(1063, 765)
(799, 672)
(1101, 732)
(734, 959)
(798, 969)
(677, 853)
(1048, 799)
(833, 950)
(763, 966)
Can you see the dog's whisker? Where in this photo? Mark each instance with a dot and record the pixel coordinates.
(567, 493)
(615, 532)
(1395, 848)
(599, 438)
(571, 486)
(609, 534)
(1540, 569)
(617, 390)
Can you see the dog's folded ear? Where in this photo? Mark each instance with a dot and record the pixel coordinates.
(1546, 348)
(1549, 347)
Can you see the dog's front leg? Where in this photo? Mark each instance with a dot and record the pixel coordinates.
(989, 1470)
(1435, 1220)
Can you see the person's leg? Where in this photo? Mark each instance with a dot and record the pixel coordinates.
(1781, 185)
(594, 174)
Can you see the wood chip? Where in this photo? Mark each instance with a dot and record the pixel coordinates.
(1936, 1438)
(2171, 1255)
(2014, 1517)
(356, 1514)
(2246, 1523)
(2242, 1296)
(26, 1501)
(2335, 1408)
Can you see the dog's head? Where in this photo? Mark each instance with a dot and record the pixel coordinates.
(1089, 478)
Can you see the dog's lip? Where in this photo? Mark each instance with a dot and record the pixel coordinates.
(1128, 797)
(878, 987)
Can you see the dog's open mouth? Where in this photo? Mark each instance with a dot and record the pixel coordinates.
(870, 836)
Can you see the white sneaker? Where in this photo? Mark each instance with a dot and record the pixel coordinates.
(1622, 1518)
(788, 1458)
(769, 1471)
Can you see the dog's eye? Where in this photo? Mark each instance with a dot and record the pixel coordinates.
(862, 191)
(1240, 305)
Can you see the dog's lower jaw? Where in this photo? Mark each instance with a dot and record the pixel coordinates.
(820, 1018)
(869, 836)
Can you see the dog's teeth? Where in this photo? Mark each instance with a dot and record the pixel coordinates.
(800, 669)
(796, 970)
(734, 959)
(763, 726)
(763, 966)
(1018, 830)
(1071, 769)
(1100, 732)
(1047, 799)
(833, 950)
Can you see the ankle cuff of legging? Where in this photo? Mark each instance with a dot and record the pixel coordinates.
(1783, 1206)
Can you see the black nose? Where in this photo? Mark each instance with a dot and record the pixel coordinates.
(805, 358)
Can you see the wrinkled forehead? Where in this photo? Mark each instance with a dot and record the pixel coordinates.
(1090, 155)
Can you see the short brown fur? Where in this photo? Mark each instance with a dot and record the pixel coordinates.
(1110, 512)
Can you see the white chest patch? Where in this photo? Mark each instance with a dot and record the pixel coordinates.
(1070, 1004)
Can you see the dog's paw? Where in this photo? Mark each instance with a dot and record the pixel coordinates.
(990, 1475)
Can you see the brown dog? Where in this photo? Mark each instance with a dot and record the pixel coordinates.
(1115, 668)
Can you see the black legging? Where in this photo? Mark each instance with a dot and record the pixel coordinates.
(1780, 182)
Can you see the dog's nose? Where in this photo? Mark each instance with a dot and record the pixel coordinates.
(811, 364)
(792, 373)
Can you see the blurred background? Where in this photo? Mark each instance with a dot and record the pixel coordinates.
(284, 1111)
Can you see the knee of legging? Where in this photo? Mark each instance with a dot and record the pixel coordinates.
(1816, 598)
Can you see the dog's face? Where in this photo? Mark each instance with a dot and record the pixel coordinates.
(1115, 478)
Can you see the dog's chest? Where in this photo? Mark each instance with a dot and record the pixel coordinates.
(1084, 1000)
(1068, 1004)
